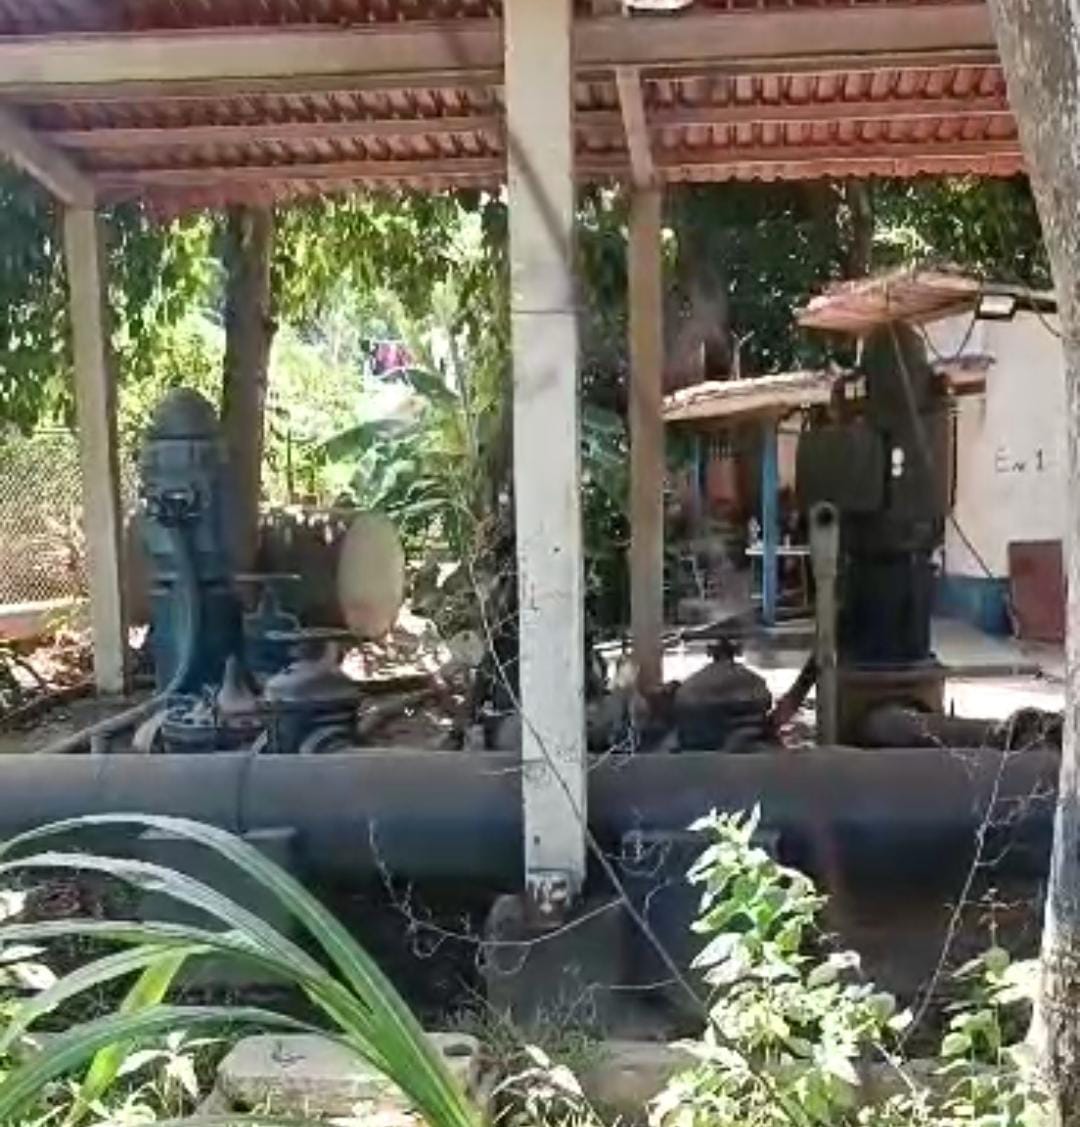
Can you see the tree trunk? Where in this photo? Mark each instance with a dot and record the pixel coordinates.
(1039, 41)
(249, 333)
(700, 344)
(860, 206)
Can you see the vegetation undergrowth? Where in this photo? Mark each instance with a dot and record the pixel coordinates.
(795, 1036)
(357, 1005)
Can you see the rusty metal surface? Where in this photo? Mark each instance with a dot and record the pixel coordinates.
(1037, 588)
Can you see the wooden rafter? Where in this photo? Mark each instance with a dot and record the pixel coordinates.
(791, 38)
(446, 169)
(108, 138)
(262, 132)
(638, 138)
(673, 164)
(52, 169)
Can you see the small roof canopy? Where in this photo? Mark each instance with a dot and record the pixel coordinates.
(727, 402)
(915, 296)
(743, 400)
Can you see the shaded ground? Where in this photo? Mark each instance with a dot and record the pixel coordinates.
(989, 677)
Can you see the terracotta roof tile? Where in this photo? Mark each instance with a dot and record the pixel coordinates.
(189, 147)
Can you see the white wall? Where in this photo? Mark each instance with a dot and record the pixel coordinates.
(1011, 470)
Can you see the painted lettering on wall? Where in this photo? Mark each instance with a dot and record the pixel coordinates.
(1010, 462)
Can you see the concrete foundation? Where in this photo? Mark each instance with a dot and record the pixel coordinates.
(311, 1076)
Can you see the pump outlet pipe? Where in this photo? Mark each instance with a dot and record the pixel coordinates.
(457, 816)
(824, 556)
(189, 628)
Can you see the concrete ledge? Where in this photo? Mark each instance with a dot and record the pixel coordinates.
(307, 1075)
(627, 1075)
(310, 1076)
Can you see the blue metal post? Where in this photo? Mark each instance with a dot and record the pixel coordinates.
(770, 522)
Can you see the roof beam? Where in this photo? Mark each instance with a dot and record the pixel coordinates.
(854, 157)
(638, 140)
(444, 170)
(124, 139)
(792, 38)
(672, 164)
(50, 168)
(891, 109)
(134, 138)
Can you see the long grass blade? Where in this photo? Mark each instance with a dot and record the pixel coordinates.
(70, 1050)
(178, 886)
(232, 1119)
(90, 976)
(412, 1061)
(322, 989)
(148, 991)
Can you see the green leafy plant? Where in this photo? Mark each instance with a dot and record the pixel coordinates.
(545, 1093)
(987, 1070)
(360, 1007)
(788, 1024)
(796, 1037)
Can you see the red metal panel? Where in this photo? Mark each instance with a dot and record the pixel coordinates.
(1037, 589)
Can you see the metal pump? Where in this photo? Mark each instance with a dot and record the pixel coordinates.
(185, 516)
(882, 463)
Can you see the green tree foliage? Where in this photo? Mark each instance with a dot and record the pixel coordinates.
(988, 227)
(747, 256)
(403, 242)
(157, 274)
(34, 348)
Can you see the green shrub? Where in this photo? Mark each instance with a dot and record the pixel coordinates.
(793, 1026)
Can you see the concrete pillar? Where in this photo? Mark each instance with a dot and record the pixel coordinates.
(770, 522)
(547, 486)
(95, 402)
(647, 437)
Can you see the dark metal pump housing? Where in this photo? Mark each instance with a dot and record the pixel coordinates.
(882, 459)
(205, 652)
(194, 616)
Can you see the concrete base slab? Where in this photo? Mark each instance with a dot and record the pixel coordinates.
(23, 622)
(307, 1075)
(627, 1075)
(540, 977)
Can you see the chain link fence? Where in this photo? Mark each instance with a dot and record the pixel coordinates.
(42, 546)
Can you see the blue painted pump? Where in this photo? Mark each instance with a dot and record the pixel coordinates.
(194, 613)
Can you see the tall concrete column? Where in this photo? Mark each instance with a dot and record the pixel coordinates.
(647, 437)
(547, 485)
(95, 401)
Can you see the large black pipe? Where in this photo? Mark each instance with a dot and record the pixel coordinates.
(457, 815)
(896, 725)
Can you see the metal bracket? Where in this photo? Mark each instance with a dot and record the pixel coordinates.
(549, 894)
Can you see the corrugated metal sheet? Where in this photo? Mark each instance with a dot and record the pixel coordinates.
(730, 401)
(920, 296)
